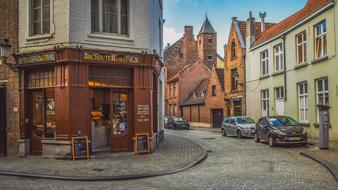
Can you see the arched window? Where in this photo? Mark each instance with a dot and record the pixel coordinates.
(233, 50)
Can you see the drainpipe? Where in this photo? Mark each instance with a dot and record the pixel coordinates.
(284, 62)
(244, 82)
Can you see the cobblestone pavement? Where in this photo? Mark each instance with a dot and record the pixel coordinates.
(174, 152)
(232, 164)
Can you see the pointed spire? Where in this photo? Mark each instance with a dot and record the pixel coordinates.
(207, 27)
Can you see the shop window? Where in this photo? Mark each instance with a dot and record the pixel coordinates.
(109, 77)
(110, 16)
(41, 78)
(40, 17)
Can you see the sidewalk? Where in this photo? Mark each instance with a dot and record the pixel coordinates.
(174, 154)
(327, 158)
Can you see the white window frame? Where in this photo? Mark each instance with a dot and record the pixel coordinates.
(279, 59)
(279, 93)
(303, 45)
(264, 63)
(119, 15)
(324, 92)
(30, 34)
(303, 102)
(265, 99)
(322, 34)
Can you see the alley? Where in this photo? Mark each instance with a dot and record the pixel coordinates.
(231, 164)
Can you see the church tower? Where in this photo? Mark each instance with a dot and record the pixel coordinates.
(207, 44)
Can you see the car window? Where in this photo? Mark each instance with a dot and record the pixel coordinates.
(244, 120)
(265, 122)
(226, 120)
(232, 121)
(283, 121)
(178, 119)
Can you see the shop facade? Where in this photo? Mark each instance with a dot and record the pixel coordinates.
(104, 95)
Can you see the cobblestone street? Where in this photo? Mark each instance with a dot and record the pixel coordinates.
(231, 164)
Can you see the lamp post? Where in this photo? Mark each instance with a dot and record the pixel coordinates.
(4, 53)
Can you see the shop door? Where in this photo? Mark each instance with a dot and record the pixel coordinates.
(3, 135)
(217, 118)
(121, 132)
(37, 124)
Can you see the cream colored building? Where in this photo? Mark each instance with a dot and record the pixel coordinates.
(292, 67)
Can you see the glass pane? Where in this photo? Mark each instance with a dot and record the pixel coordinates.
(326, 84)
(320, 85)
(50, 113)
(324, 26)
(320, 99)
(95, 15)
(324, 45)
(109, 16)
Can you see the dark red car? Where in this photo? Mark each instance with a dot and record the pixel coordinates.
(280, 130)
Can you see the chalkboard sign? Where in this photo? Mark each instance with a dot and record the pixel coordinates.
(80, 148)
(142, 144)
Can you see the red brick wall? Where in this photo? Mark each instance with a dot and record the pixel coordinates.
(9, 79)
(205, 49)
(234, 63)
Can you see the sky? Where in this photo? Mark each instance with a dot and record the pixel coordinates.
(178, 13)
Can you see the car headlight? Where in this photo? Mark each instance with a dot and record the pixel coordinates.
(278, 132)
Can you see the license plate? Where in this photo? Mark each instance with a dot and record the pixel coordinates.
(295, 138)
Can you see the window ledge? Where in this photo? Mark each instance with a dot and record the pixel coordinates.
(317, 125)
(277, 73)
(111, 37)
(39, 37)
(264, 77)
(320, 59)
(301, 65)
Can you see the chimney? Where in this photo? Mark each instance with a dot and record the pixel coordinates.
(250, 31)
(188, 31)
(262, 15)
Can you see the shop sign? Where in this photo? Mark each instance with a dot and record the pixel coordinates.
(142, 112)
(116, 58)
(80, 148)
(37, 58)
(142, 143)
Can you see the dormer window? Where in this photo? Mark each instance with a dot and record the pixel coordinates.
(39, 17)
(110, 16)
(202, 94)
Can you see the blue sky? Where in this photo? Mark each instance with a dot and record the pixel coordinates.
(179, 13)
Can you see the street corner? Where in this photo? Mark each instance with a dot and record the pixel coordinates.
(175, 154)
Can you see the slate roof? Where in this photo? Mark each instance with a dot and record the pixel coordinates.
(198, 100)
(207, 28)
(311, 7)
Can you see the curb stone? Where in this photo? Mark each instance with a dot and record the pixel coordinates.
(332, 169)
(191, 164)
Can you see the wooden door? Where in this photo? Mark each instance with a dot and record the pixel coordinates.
(121, 132)
(217, 118)
(3, 134)
(37, 120)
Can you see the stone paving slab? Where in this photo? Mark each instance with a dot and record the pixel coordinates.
(173, 154)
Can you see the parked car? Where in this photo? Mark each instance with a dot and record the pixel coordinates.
(166, 121)
(238, 126)
(178, 123)
(279, 130)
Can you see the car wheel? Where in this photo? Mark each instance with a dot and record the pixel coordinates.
(223, 133)
(271, 142)
(256, 137)
(239, 134)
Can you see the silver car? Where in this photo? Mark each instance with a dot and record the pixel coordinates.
(238, 126)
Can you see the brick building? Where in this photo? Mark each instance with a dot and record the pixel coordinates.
(194, 75)
(234, 56)
(9, 115)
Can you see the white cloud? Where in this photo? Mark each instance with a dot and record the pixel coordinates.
(170, 35)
